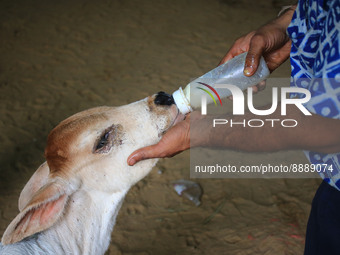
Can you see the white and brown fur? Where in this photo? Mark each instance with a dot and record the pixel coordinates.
(70, 204)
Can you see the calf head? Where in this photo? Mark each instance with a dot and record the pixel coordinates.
(88, 151)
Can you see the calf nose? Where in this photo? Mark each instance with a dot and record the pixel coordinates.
(163, 98)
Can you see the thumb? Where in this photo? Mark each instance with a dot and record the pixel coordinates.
(143, 153)
(255, 51)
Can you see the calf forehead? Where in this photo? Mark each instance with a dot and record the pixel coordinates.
(63, 143)
(63, 139)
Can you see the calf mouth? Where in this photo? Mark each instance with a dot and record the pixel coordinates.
(165, 99)
(179, 117)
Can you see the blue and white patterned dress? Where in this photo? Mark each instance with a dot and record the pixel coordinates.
(315, 61)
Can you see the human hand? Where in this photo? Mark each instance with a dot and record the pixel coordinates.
(175, 140)
(269, 41)
(272, 44)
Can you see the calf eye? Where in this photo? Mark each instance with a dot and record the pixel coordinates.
(103, 141)
(110, 137)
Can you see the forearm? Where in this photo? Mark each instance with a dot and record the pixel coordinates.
(314, 133)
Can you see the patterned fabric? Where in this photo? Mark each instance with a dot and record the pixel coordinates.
(315, 61)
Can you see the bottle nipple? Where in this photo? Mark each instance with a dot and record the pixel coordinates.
(182, 101)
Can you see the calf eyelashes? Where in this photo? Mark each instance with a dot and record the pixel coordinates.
(113, 135)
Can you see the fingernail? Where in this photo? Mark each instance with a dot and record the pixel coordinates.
(247, 71)
(132, 161)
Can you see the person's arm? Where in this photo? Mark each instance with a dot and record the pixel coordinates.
(313, 133)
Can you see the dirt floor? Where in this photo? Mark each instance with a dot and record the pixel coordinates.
(61, 57)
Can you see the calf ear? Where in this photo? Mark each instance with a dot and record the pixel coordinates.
(44, 210)
(38, 180)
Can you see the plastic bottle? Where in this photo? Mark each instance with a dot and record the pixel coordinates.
(230, 72)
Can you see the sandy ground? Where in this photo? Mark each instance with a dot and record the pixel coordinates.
(61, 57)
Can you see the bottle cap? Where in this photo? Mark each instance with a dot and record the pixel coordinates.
(181, 101)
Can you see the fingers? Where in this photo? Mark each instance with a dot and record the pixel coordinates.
(173, 142)
(259, 87)
(253, 43)
(227, 57)
(256, 48)
(143, 153)
(233, 52)
(240, 46)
